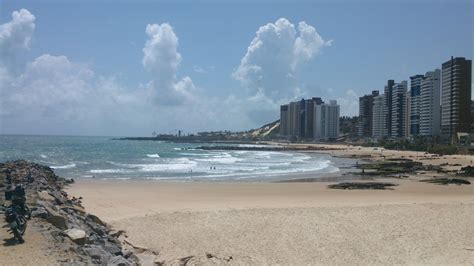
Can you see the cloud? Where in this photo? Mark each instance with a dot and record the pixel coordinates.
(274, 55)
(161, 59)
(53, 95)
(15, 37)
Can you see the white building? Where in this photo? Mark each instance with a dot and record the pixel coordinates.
(430, 111)
(378, 118)
(326, 121)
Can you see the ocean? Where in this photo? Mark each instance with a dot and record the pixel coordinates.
(109, 158)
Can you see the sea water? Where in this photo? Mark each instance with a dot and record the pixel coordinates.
(109, 158)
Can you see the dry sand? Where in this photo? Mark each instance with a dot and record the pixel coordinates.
(289, 223)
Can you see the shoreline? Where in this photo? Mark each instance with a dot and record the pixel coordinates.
(296, 221)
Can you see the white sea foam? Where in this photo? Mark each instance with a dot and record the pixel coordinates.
(109, 171)
(156, 155)
(67, 166)
(43, 156)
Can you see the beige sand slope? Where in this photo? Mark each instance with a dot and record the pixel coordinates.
(290, 223)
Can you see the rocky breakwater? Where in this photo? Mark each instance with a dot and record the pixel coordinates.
(82, 237)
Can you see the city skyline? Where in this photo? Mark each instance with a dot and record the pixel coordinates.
(98, 80)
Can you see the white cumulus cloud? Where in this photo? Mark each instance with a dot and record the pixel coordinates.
(15, 37)
(274, 55)
(161, 58)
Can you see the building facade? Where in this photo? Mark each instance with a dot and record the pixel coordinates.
(284, 120)
(378, 117)
(399, 110)
(326, 121)
(456, 85)
(430, 111)
(364, 124)
(415, 101)
(388, 105)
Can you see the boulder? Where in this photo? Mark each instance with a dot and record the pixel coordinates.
(112, 248)
(98, 254)
(40, 212)
(96, 219)
(77, 235)
(44, 195)
(118, 261)
(56, 219)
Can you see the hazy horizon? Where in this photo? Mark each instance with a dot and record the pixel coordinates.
(128, 69)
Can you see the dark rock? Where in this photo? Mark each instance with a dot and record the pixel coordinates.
(362, 185)
(447, 181)
(95, 219)
(56, 219)
(119, 261)
(467, 171)
(113, 248)
(97, 253)
(39, 212)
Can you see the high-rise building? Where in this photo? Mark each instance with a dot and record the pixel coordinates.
(388, 105)
(297, 118)
(456, 88)
(430, 104)
(284, 121)
(399, 110)
(309, 119)
(326, 121)
(415, 95)
(364, 125)
(292, 118)
(378, 117)
(472, 117)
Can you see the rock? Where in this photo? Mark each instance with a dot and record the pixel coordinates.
(44, 195)
(77, 235)
(362, 185)
(55, 218)
(97, 253)
(119, 261)
(39, 212)
(113, 249)
(447, 181)
(96, 219)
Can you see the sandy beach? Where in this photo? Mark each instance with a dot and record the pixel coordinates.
(288, 223)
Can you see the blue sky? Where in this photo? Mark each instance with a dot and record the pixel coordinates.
(364, 43)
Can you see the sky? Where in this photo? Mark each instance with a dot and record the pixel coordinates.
(123, 68)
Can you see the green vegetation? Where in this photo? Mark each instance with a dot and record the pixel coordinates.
(387, 168)
(418, 144)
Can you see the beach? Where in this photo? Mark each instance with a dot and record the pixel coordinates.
(296, 223)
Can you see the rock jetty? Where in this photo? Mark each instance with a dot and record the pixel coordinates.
(82, 236)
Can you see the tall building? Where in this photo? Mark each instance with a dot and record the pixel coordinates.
(415, 95)
(379, 117)
(297, 118)
(326, 121)
(284, 121)
(364, 125)
(388, 105)
(430, 104)
(292, 118)
(309, 119)
(399, 110)
(455, 97)
(472, 117)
